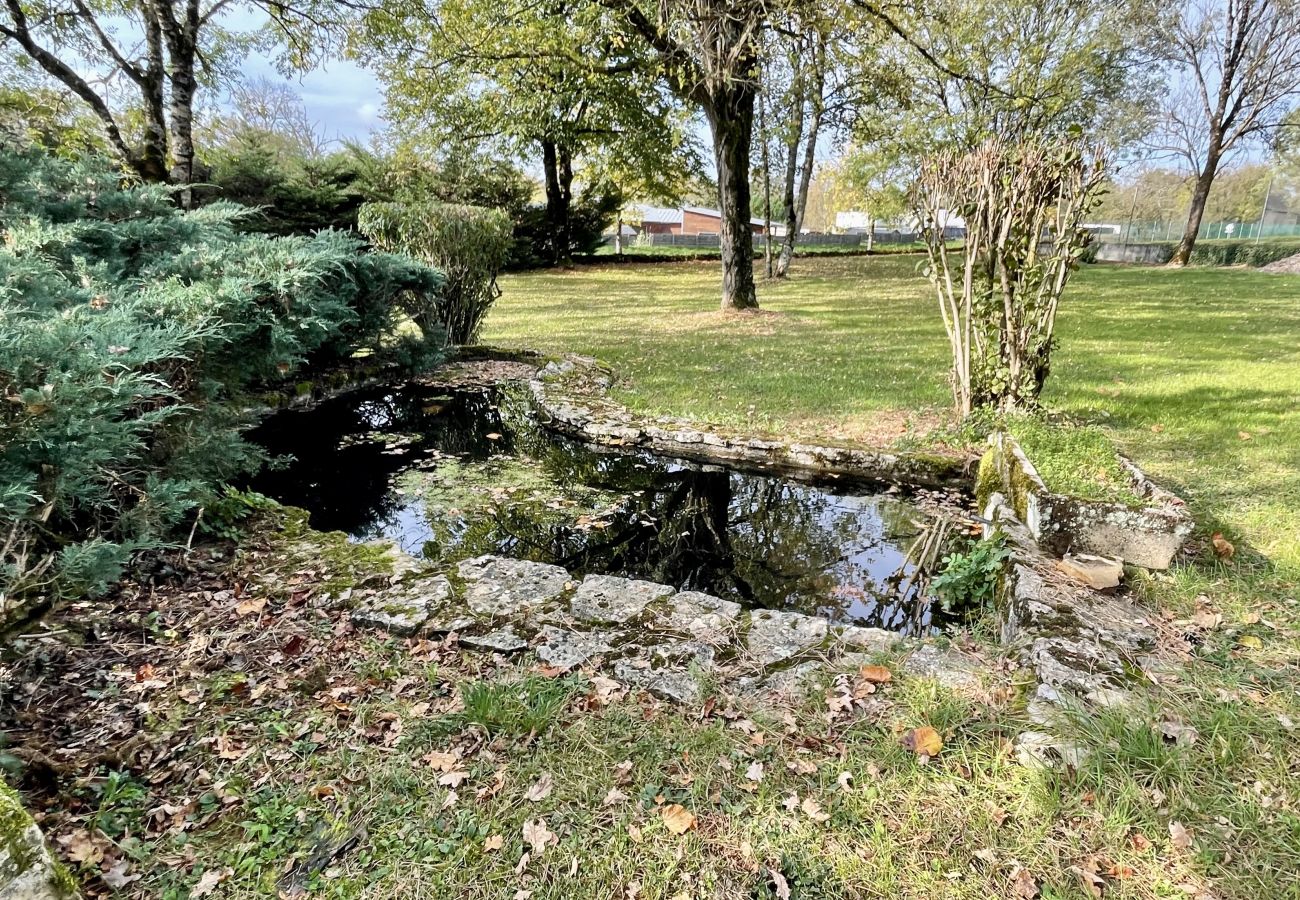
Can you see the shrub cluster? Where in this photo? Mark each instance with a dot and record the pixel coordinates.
(129, 330)
(468, 244)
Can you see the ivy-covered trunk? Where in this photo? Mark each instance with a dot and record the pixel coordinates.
(731, 120)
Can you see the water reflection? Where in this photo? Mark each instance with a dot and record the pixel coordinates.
(458, 474)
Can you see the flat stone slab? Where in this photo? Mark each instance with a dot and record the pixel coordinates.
(611, 600)
(406, 609)
(503, 640)
(497, 586)
(775, 635)
(669, 671)
(1098, 572)
(566, 649)
(703, 616)
(951, 668)
(869, 640)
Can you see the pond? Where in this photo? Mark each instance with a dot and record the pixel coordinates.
(450, 474)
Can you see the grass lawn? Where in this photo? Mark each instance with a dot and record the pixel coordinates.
(230, 735)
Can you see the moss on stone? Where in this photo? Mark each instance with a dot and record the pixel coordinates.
(22, 854)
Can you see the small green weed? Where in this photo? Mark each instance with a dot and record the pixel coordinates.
(528, 706)
(969, 577)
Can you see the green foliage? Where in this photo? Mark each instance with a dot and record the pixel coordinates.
(528, 706)
(1242, 253)
(230, 513)
(468, 244)
(969, 576)
(534, 241)
(129, 330)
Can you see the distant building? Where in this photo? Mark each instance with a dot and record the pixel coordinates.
(859, 222)
(689, 220)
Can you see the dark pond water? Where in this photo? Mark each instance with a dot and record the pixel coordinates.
(455, 474)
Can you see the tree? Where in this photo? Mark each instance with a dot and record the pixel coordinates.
(957, 74)
(876, 182)
(518, 77)
(161, 51)
(708, 54)
(1234, 76)
(1024, 205)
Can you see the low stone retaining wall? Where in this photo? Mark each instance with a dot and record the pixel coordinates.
(1146, 254)
(572, 398)
(1148, 536)
(649, 635)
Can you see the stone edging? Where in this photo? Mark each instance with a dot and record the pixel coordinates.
(652, 636)
(571, 397)
(1149, 536)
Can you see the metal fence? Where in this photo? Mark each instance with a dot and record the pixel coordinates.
(1149, 232)
(712, 240)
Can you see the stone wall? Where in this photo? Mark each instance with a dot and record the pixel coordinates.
(1150, 535)
(27, 869)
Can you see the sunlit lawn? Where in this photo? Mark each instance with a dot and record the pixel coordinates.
(1196, 372)
(288, 754)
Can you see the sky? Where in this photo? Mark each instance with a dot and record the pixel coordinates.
(341, 97)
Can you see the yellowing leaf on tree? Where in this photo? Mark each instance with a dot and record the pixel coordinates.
(923, 741)
(677, 818)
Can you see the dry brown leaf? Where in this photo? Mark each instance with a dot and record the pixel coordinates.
(614, 797)
(923, 741)
(493, 843)
(1179, 836)
(876, 674)
(1023, 884)
(251, 607)
(845, 781)
(537, 836)
(442, 762)
(779, 884)
(677, 818)
(541, 789)
(813, 810)
(454, 778)
(209, 881)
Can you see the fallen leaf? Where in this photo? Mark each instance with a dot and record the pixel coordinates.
(1139, 841)
(813, 810)
(251, 607)
(677, 818)
(493, 843)
(443, 762)
(779, 884)
(453, 779)
(923, 741)
(876, 674)
(117, 876)
(755, 771)
(209, 881)
(614, 797)
(845, 781)
(541, 789)
(1179, 836)
(1023, 884)
(537, 836)
(1250, 642)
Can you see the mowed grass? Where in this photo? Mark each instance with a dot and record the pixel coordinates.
(1195, 373)
(287, 754)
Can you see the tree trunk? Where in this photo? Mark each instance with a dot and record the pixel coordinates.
(731, 120)
(558, 168)
(787, 194)
(1204, 181)
(153, 88)
(182, 37)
